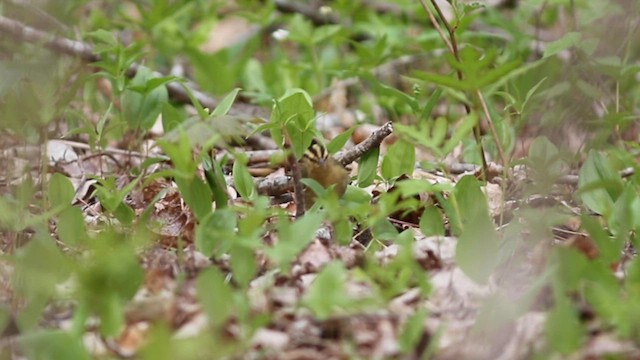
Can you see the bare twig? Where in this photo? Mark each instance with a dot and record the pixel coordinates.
(373, 141)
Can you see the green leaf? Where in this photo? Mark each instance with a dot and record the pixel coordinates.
(462, 131)
(243, 263)
(400, 159)
(477, 250)
(141, 109)
(171, 117)
(217, 184)
(225, 105)
(432, 222)
(413, 331)
(294, 113)
(39, 268)
(439, 131)
(216, 231)
(215, 296)
(60, 191)
(564, 331)
(368, 167)
(339, 141)
(326, 294)
(428, 107)
(599, 185)
(196, 195)
(293, 238)
(71, 226)
(52, 344)
(568, 40)
(471, 201)
(242, 179)
(322, 33)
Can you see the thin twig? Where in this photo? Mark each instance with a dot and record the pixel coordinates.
(373, 141)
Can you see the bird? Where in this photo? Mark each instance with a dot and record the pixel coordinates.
(317, 164)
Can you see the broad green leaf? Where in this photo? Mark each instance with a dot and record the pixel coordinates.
(471, 200)
(141, 109)
(432, 222)
(294, 113)
(339, 141)
(196, 195)
(39, 268)
(322, 33)
(462, 131)
(368, 167)
(243, 263)
(52, 344)
(413, 330)
(439, 130)
(215, 295)
(326, 294)
(216, 231)
(171, 117)
(293, 238)
(565, 333)
(400, 159)
(477, 250)
(60, 191)
(71, 226)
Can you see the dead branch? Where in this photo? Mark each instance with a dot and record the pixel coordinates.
(373, 141)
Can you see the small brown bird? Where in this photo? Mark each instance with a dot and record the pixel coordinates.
(317, 164)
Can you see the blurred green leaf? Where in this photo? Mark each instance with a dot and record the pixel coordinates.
(71, 227)
(293, 238)
(142, 102)
(216, 231)
(564, 331)
(53, 344)
(477, 250)
(225, 105)
(368, 167)
(326, 294)
(215, 295)
(400, 159)
(242, 179)
(568, 40)
(60, 191)
(599, 185)
(432, 222)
